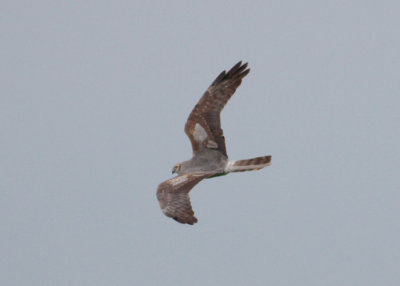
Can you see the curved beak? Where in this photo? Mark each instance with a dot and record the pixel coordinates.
(173, 170)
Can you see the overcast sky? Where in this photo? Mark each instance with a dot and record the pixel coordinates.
(93, 101)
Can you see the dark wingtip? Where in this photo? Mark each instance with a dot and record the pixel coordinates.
(191, 222)
(237, 72)
(239, 68)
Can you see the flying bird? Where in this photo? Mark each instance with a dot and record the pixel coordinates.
(203, 127)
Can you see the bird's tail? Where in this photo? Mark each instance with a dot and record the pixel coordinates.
(248, 165)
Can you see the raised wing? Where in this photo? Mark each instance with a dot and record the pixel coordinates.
(174, 200)
(203, 127)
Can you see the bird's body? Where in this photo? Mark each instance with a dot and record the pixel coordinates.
(210, 158)
(205, 161)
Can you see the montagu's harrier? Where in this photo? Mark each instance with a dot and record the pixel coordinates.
(210, 159)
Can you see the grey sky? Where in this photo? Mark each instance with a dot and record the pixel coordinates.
(93, 100)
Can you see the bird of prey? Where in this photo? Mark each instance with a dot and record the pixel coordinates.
(203, 127)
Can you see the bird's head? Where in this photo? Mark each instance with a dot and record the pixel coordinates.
(176, 168)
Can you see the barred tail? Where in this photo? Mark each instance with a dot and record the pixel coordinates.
(248, 165)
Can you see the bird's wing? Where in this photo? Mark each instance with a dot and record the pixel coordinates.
(203, 127)
(174, 200)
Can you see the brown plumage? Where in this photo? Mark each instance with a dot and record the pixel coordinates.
(174, 199)
(210, 159)
(207, 110)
